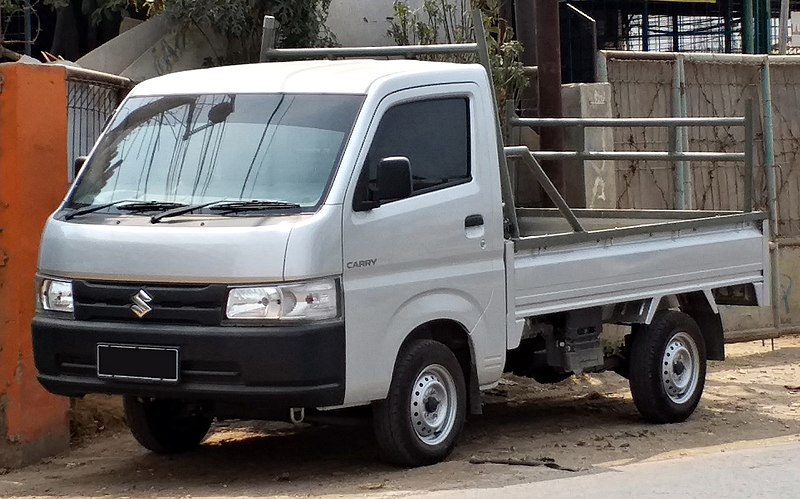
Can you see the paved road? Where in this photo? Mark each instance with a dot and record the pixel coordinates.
(770, 472)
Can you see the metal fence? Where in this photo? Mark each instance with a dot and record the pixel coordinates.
(670, 84)
(677, 153)
(19, 25)
(710, 85)
(92, 98)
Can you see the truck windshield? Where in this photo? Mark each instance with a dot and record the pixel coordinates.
(199, 149)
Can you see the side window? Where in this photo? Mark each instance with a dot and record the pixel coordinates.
(433, 134)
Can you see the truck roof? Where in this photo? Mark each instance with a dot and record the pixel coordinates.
(317, 77)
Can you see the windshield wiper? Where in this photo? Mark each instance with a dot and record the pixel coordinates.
(150, 206)
(254, 205)
(124, 204)
(226, 207)
(181, 210)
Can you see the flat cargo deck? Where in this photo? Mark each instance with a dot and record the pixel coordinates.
(627, 255)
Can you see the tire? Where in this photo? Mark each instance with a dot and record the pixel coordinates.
(667, 369)
(165, 426)
(427, 377)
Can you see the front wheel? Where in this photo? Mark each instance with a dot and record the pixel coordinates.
(667, 370)
(165, 426)
(422, 416)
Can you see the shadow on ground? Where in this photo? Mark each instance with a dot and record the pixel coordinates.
(583, 423)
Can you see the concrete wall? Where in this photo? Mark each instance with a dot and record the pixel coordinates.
(158, 47)
(33, 181)
(154, 48)
(363, 22)
(591, 181)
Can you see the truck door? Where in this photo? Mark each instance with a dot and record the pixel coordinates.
(437, 254)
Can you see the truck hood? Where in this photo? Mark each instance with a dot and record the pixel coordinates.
(181, 250)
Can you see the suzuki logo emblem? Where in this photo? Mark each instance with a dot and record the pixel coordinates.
(140, 305)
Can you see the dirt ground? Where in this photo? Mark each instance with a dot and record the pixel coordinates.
(576, 426)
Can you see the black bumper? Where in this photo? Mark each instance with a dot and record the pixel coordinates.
(282, 366)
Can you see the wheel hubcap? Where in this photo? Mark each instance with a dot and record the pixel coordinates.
(433, 404)
(680, 368)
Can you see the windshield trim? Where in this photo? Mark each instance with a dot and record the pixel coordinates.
(68, 205)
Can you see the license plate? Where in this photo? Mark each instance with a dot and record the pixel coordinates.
(137, 363)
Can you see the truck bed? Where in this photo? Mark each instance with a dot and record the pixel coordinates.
(627, 255)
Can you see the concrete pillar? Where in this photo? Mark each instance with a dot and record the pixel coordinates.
(33, 181)
(593, 182)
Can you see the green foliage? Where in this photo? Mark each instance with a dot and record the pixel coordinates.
(240, 22)
(7, 7)
(107, 10)
(438, 21)
(449, 21)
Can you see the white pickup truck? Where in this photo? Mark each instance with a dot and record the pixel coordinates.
(285, 240)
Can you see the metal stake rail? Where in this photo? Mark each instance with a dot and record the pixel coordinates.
(409, 51)
(674, 154)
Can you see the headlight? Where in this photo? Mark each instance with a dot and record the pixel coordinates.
(56, 295)
(305, 300)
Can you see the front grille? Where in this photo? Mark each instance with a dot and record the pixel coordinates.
(200, 305)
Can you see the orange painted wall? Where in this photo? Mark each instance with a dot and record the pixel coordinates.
(33, 181)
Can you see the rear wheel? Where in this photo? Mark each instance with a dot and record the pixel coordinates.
(165, 426)
(421, 418)
(667, 368)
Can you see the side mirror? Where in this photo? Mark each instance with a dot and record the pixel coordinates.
(394, 179)
(220, 112)
(77, 165)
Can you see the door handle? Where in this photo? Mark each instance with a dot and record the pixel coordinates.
(473, 221)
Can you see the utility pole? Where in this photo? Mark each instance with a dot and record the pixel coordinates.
(548, 57)
(541, 18)
(538, 30)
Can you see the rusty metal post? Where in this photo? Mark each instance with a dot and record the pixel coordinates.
(548, 54)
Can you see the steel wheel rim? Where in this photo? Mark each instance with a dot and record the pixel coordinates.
(680, 367)
(433, 404)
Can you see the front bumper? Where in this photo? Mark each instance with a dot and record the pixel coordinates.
(280, 366)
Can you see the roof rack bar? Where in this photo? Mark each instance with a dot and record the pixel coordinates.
(399, 51)
(270, 53)
(629, 122)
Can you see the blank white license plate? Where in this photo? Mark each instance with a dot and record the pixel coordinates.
(133, 362)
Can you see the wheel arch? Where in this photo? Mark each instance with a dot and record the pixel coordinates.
(454, 336)
(700, 306)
